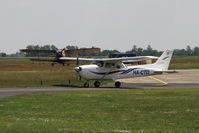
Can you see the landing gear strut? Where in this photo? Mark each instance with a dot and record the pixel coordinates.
(86, 84)
(117, 84)
(97, 84)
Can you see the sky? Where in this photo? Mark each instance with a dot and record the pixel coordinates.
(108, 24)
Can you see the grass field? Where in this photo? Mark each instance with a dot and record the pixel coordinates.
(119, 111)
(189, 62)
(21, 72)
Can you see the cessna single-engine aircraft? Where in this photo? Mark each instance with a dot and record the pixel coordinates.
(114, 68)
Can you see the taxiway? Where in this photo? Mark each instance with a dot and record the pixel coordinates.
(182, 79)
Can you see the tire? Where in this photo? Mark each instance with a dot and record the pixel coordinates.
(97, 84)
(86, 85)
(117, 84)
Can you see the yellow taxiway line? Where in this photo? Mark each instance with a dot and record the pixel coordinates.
(161, 81)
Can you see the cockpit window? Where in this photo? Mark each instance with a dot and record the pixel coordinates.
(98, 63)
(108, 64)
(119, 66)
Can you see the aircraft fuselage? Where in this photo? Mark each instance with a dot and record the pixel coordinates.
(94, 72)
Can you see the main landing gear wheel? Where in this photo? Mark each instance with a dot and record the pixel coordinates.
(86, 84)
(117, 84)
(97, 84)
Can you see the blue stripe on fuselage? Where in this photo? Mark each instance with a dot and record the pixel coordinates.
(129, 70)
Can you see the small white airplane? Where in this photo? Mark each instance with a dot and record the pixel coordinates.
(114, 68)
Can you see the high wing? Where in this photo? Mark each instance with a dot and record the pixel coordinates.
(132, 59)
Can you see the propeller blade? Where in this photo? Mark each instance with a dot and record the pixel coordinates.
(63, 53)
(77, 62)
(77, 65)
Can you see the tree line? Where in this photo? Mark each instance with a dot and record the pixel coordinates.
(188, 51)
(177, 52)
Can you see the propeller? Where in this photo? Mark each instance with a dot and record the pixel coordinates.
(77, 69)
(77, 62)
(63, 54)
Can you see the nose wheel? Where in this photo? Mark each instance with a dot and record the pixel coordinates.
(86, 85)
(117, 84)
(97, 84)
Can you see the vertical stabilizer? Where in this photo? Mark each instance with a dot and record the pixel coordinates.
(164, 60)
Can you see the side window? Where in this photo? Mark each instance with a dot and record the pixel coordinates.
(109, 65)
(100, 63)
(118, 66)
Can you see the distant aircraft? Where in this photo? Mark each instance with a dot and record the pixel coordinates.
(114, 68)
(59, 53)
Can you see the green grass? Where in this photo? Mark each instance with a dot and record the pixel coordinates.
(136, 111)
(41, 79)
(188, 62)
(21, 72)
(34, 78)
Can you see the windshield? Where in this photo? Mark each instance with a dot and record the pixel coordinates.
(98, 63)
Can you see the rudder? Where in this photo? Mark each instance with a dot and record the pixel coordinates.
(164, 60)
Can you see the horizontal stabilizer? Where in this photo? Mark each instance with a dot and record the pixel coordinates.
(168, 71)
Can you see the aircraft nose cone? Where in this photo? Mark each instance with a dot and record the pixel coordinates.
(78, 69)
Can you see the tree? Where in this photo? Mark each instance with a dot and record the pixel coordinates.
(71, 47)
(196, 51)
(189, 52)
(53, 47)
(139, 52)
(148, 50)
(3, 54)
(143, 52)
(108, 52)
(134, 50)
